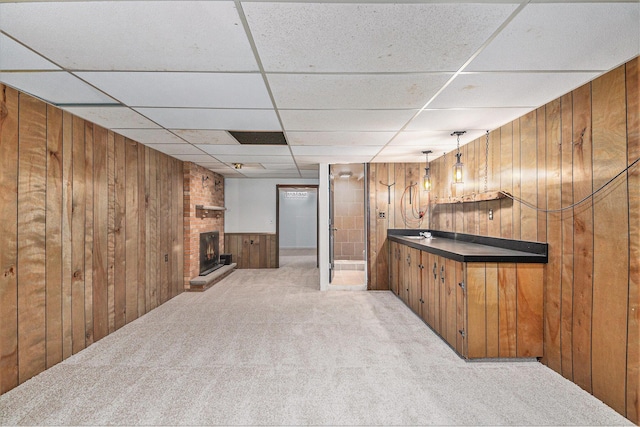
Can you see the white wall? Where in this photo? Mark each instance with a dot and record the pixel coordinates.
(251, 203)
(298, 218)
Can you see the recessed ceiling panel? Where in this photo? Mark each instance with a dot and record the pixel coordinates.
(186, 90)
(190, 118)
(359, 91)
(329, 37)
(250, 150)
(565, 36)
(464, 119)
(514, 90)
(151, 136)
(133, 35)
(339, 138)
(172, 149)
(112, 117)
(14, 56)
(56, 87)
(345, 120)
(259, 138)
(205, 136)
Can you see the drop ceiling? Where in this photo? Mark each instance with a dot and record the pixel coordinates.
(345, 81)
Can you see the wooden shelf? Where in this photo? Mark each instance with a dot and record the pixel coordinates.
(209, 211)
(473, 197)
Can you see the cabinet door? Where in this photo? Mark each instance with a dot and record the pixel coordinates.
(461, 309)
(425, 287)
(405, 273)
(393, 267)
(415, 290)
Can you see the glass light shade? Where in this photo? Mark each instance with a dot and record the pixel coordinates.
(426, 183)
(457, 170)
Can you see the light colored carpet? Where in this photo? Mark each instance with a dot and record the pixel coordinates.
(264, 347)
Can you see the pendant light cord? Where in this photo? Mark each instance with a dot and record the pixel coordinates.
(529, 205)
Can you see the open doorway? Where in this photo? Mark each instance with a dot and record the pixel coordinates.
(297, 220)
(348, 239)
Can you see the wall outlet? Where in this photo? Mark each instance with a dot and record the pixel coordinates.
(490, 214)
(382, 215)
(166, 257)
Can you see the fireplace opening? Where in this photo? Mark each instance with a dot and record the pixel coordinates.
(209, 252)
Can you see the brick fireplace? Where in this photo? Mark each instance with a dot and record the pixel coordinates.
(201, 187)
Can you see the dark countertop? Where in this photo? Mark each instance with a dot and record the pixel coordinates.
(469, 248)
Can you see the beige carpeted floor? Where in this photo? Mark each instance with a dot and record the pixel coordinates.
(264, 347)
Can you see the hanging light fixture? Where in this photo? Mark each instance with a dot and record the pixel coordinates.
(457, 167)
(426, 181)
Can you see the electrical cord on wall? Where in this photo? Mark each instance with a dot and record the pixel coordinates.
(417, 214)
(529, 205)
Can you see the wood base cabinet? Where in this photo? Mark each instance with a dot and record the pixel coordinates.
(482, 310)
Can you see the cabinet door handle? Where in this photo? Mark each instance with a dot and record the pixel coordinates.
(442, 274)
(435, 271)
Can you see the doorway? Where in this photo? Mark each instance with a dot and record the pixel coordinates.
(297, 220)
(348, 236)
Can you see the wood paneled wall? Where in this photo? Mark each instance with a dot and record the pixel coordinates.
(90, 234)
(252, 250)
(551, 158)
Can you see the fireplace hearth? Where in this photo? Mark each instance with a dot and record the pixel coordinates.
(209, 252)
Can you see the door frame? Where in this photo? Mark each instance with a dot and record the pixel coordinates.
(297, 187)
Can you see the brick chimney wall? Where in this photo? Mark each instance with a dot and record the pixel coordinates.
(201, 187)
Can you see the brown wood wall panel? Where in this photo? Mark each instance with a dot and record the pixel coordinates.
(251, 250)
(611, 256)
(32, 167)
(476, 313)
(9, 242)
(530, 330)
(53, 243)
(493, 310)
(557, 155)
(633, 150)
(507, 312)
(76, 240)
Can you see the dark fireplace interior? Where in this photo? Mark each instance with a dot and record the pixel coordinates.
(209, 252)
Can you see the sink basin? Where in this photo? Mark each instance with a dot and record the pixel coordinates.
(414, 237)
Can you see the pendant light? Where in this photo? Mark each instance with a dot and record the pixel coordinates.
(426, 181)
(457, 167)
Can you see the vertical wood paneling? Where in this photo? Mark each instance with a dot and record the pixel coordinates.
(554, 238)
(528, 177)
(67, 209)
(119, 232)
(142, 228)
(507, 320)
(633, 150)
(100, 232)
(515, 178)
(178, 249)
(9, 240)
(111, 236)
(32, 168)
(582, 238)
(164, 210)
(88, 239)
(506, 180)
(530, 282)
(611, 249)
(476, 313)
(566, 152)
(542, 173)
(152, 240)
(131, 229)
(493, 228)
(54, 236)
(493, 310)
(78, 215)
(381, 262)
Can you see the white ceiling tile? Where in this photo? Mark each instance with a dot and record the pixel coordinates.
(251, 150)
(112, 117)
(173, 149)
(354, 91)
(151, 136)
(345, 120)
(14, 56)
(132, 35)
(276, 166)
(309, 173)
(515, 90)
(339, 138)
(230, 158)
(305, 37)
(430, 140)
(565, 36)
(185, 90)
(465, 119)
(333, 158)
(191, 118)
(56, 87)
(196, 158)
(358, 150)
(205, 136)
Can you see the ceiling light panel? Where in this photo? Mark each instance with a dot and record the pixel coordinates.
(251, 150)
(360, 91)
(132, 35)
(515, 90)
(565, 36)
(213, 119)
(186, 90)
(339, 138)
(112, 117)
(330, 37)
(175, 149)
(14, 56)
(470, 118)
(151, 136)
(345, 120)
(213, 137)
(56, 87)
